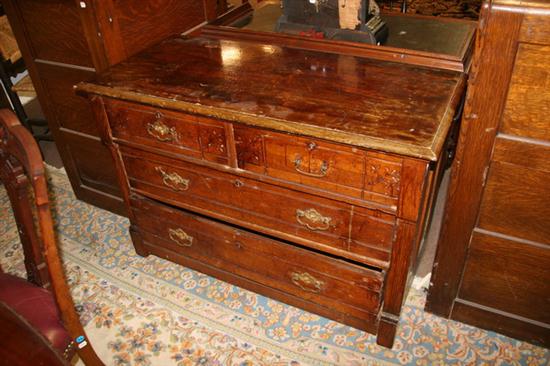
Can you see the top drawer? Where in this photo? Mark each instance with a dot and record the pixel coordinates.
(311, 162)
(179, 133)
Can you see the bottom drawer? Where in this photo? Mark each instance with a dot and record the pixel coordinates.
(318, 283)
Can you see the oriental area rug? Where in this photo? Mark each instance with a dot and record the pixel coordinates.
(147, 311)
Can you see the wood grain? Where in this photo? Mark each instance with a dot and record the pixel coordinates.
(51, 39)
(519, 276)
(492, 67)
(514, 202)
(528, 103)
(402, 109)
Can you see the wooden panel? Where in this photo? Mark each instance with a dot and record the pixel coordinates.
(516, 202)
(372, 233)
(535, 29)
(185, 134)
(528, 102)
(71, 111)
(55, 32)
(523, 153)
(142, 24)
(486, 95)
(93, 162)
(297, 271)
(507, 324)
(509, 276)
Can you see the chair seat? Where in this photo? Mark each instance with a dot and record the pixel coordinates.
(26, 299)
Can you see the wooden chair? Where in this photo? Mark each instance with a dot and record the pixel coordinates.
(53, 312)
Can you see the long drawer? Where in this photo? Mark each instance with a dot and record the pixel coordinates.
(336, 227)
(332, 283)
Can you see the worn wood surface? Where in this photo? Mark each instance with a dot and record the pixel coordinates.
(324, 280)
(491, 267)
(258, 206)
(64, 42)
(383, 105)
(509, 276)
(309, 182)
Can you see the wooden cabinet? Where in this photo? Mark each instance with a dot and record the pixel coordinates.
(492, 267)
(67, 41)
(307, 182)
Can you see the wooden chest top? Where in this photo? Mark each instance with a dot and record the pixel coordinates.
(390, 106)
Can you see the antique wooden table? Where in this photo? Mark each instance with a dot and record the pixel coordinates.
(303, 175)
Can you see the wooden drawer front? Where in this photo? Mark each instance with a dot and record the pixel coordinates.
(330, 167)
(245, 201)
(509, 276)
(372, 233)
(327, 281)
(299, 217)
(179, 133)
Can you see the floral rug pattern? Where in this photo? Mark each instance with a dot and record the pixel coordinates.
(147, 311)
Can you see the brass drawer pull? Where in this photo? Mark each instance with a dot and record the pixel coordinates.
(173, 180)
(313, 220)
(180, 237)
(322, 171)
(307, 282)
(162, 132)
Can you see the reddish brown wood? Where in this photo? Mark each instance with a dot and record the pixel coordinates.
(62, 43)
(341, 47)
(19, 152)
(491, 268)
(520, 289)
(16, 184)
(228, 86)
(312, 181)
(493, 60)
(323, 280)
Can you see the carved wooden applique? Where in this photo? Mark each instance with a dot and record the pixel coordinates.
(383, 177)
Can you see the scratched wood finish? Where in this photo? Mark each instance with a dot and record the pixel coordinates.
(64, 42)
(334, 228)
(258, 206)
(520, 289)
(330, 160)
(356, 289)
(491, 266)
(383, 105)
(528, 102)
(312, 162)
(189, 135)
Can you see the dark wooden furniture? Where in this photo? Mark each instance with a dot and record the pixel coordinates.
(492, 267)
(12, 64)
(21, 171)
(66, 41)
(302, 175)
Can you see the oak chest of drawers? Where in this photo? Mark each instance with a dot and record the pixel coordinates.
(304, 176)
